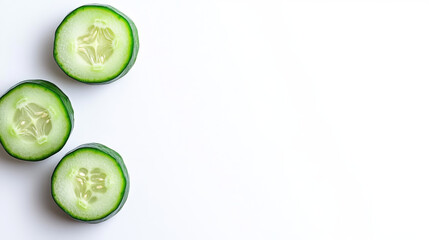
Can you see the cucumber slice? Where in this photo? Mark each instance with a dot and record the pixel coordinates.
(90, 183)
(36, 119)
(96, 44)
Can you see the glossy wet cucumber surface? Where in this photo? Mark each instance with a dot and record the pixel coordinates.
(96, 44)
(36, 119)
(90, 183)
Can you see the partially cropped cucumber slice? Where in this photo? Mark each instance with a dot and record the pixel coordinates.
(36, 119)
(90, 183)
(96, 44)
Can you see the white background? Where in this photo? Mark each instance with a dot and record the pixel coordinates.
(240, 120)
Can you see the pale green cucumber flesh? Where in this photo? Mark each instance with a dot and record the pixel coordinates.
(96, 44)
(36, 119)
(90, 183)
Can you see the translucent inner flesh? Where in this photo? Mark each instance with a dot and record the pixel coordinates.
(96, 46)
(88, 184)
(32, 122)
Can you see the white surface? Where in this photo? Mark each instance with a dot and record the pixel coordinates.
(241, 120)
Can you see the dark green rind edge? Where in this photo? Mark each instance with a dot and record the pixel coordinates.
(66, 104)
(135, 44)
(113, 154)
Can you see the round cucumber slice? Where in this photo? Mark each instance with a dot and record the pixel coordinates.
(36, 119)
(96, 44)
(90, 183)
